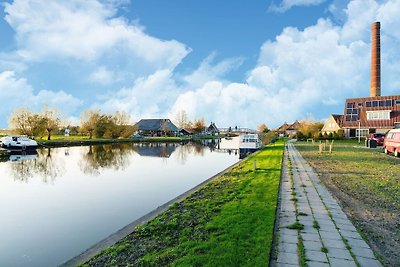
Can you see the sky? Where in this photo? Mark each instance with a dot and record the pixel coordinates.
(232, 62)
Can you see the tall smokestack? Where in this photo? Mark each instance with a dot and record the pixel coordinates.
(375, 89)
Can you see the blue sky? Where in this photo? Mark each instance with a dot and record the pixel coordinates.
(231, 62)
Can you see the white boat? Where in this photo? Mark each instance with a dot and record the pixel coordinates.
(16, 142)
(249, 143)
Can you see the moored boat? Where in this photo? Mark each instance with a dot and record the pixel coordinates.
(249, 143)
(17, 142)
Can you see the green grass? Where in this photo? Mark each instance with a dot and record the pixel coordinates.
(228, 222)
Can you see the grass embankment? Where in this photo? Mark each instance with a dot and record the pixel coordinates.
(228, 222)
(367, 184)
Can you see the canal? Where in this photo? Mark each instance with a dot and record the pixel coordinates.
(61, 201)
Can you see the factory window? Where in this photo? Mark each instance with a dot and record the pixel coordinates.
(350, 105)
(378, 115)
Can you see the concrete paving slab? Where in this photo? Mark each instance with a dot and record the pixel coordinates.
(310, 237)
(316, 255)
(287, 257)
(287, 247)
(363, 252)
(286, 265)
(332, 243)
(343, 263)
(357, 243)
(339, 254)
(312, 245)
(317, 264)
(368, 262)
(329, 234)
(288, 238)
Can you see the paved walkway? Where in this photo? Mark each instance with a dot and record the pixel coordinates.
(329, 238)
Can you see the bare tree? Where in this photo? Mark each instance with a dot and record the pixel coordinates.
(165, 127)
(181, 119)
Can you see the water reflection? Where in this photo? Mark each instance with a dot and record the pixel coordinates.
(162, 150)
(100, 157)
(42, 163)
(50, 163)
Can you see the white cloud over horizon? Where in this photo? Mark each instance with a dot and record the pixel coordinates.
(17, 93)
(301, 73)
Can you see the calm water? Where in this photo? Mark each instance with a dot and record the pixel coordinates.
(61, 201)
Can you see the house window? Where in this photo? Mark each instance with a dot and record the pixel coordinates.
(362, 132)
(398, 102)
(350, 105)
(382, 103)
(360, 104)
(368, 104)
(375, 103)
(378, 115)
(388, 103)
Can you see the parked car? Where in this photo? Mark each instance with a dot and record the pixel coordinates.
(378, 137)
(392, 142)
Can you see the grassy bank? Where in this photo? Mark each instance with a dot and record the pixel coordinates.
(367, 184)
(228, 222)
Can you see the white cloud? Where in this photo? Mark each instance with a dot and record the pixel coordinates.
(18, 93)
(85, 30)
(148, 97)
(207, 71)
(285, 5)
(303, 72)
(102, 76)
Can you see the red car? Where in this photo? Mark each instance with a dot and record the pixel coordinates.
(378, 137)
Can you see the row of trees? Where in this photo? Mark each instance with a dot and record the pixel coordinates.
(181, 120)
(92, 123)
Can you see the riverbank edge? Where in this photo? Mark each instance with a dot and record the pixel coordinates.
(125, 231)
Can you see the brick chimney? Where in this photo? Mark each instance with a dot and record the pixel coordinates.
(375, 89)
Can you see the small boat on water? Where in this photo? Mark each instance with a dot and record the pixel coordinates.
(249, 143)
(17, 142)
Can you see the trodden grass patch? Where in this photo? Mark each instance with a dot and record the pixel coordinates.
(228, 222)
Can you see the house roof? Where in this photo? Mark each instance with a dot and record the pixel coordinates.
(156, 125)
(338, 118)
(295, 126)
(283, 127)
(212, 128)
